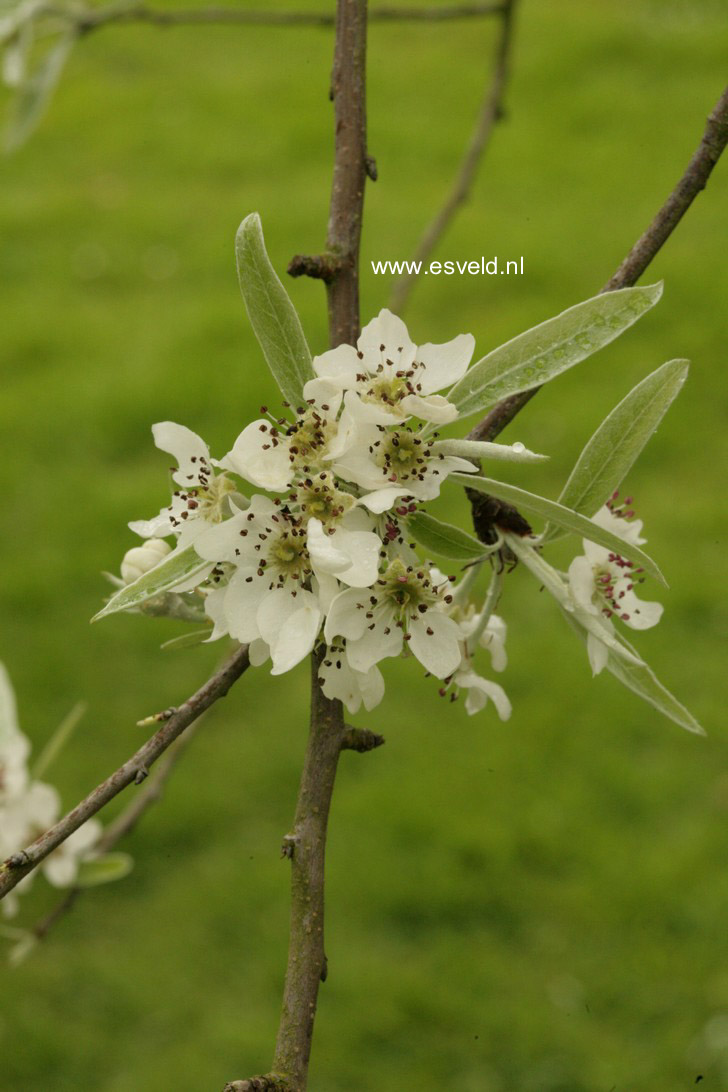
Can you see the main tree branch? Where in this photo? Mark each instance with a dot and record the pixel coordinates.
(305, 846)
(135, 769)
(490, 113)
(695, 178)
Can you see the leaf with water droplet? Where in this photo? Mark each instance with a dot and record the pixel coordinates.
(538, 355)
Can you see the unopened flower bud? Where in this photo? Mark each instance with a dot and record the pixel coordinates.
(140, 559)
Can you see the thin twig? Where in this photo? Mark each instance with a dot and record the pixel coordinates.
(135, 769)
(695, 178)
(490, 113)
(93, 19)
(122, 825)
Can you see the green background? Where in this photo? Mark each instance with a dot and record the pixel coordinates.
(537, 905)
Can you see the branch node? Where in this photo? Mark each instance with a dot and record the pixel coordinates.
(288, 846)
(268, 1082)
(18, 860)
(360, 739)
(370, 166)
(141, 775)
(323, 267)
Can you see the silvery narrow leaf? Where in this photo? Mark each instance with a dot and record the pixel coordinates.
(35, 92)
(561, 516)
(540, 354)
(8, 707)
(187, 640)
(641, 680)
(106, 869)
(444, 539)
(272, 314)
(481, 449)
(614, 447)
(178, 566)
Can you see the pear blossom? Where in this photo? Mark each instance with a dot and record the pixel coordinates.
(602, 583)
(396, 462)
(271, 453)
(403, 606)
(280, 564)
(391, 377)
(203, 498)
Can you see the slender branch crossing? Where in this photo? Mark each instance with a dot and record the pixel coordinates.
(134, 770)
(490, 113)
(695, 178)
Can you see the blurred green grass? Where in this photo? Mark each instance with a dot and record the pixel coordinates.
(536, 906)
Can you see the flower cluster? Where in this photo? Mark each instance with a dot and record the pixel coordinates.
(322, 551)
(28, 807)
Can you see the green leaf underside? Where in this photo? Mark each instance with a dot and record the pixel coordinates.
(176, 567)
(444, 539)
(36, 91)
(556, 513)
(106, 869)
(547, 350)
(272, 315)
(641, 680)
(616, 444)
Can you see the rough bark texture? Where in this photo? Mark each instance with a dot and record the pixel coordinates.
(305, 846)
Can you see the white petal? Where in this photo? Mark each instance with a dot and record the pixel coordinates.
(629, 530)
(388, 330)
(258, 652)
(245, 592)
(256, 458)
(480, 690)
(339, 366)
(346, 617)
(597, 652)
(289, 624)
(323, 550)
(581, 581)
(381, 500)
(444, 364)
(433, 408)
(186, 446)
(156, 527)
(362, 551)
(324, 393)
(215, 611)
(435, 641)
(641, 615)
(494, 639)
(223, 541)
(374, 645)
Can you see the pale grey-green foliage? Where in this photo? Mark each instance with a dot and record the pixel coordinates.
(272, 314)
(443, 538)
(616, 444)
(481, 449)
(561, 516)
(547, 350)
(642, 680)
(171, 571)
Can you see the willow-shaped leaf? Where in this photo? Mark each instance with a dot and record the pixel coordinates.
(482, 449)
(540, 354)
(187, 640)
(35, 92)
(178, 566)
(272, 314)
(443, 538)
(561, 516)
(641, 680)
(614, 447)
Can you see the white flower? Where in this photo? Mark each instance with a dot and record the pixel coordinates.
(270, 455)
(402, 606)
(396, 462)
(203, 497)
(140, 559)
(285, 574)
(340, 681)
(61, 866)
(602, 583)
(393, 378)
